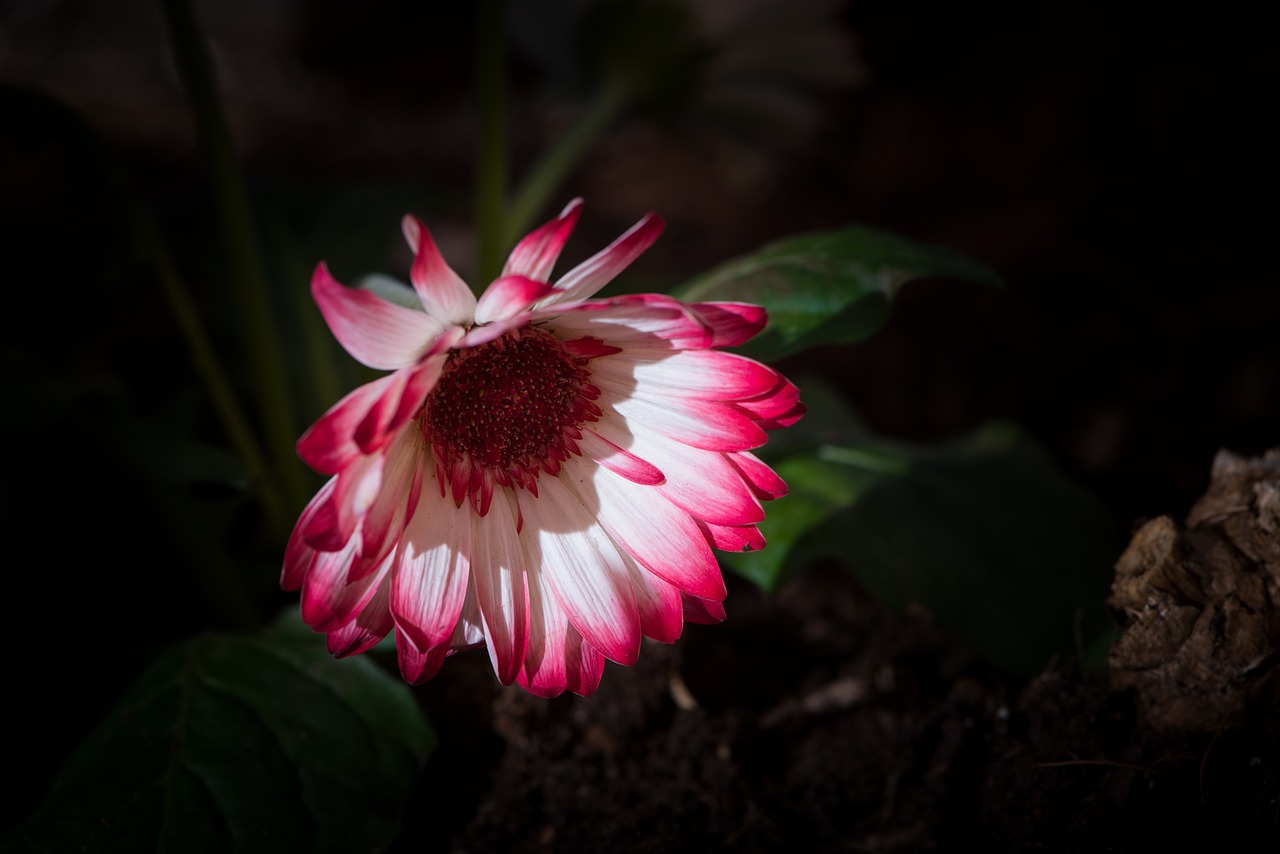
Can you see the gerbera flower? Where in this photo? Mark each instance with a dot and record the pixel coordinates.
(543, 473)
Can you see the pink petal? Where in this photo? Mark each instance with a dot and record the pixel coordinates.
(429, 585)
(659, 604)
(660, 536)
(443, 293)
(782, 401)
(710, 374)
(618, 460)
(543, 670)
(366, 629)
(298, 555)
(744, 538)
(403, 400)
(731, 323)
(330, 444)
(707, 424)
(375, 332)
(703, 483)
(636, 321)
(600, 269)
(388, 515)
(763, 480)
(498, 572)
(584, 665)
(417, 666)
(703, 611)
(508, 297)
(583, 570)
(536, 254)
(491, 331)
(334, 523)
(330, 599)
(469, 632)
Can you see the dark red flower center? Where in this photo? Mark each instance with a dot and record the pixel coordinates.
(510, 405)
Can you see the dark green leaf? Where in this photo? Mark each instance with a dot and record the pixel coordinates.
(983, 533)
(241, 744)
(831, 287)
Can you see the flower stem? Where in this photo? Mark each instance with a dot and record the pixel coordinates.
(232, 204)
(549, 172)
(492, 180)
(216, 382)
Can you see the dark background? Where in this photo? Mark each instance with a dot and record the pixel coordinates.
(1114, 163)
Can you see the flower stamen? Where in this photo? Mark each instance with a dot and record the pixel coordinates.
(505, 411)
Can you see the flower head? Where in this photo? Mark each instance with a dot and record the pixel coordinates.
(543, 473)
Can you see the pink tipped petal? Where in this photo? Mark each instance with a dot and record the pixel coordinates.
(509, 296)
(703, 611)
(707, 424)
(543, 671)
(703, 483)
(416, 665)
(390, 511)
(443, 293)
(600, 269)
(659, 604)
(298, 555)
(745, 538)
(334, 524)
(786, 419)
(696, 373)
(498, 572)
(377, 333)
(411, 227)
(585, 572)
(780, 402)
(330, 599)
(491, 331)
(469, 632)
(536, 254)
(619, 461)
(763, 480)
(366, 629)
(661, 537)
(401, 402)
(429, 586)
(656, 321)
(330, 445)
(731, 323)
(584, 665)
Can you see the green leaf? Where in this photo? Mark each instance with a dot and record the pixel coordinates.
(831, 287)
(241, 744)
(983, 533)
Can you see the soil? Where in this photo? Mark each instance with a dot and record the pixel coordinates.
(816, 718)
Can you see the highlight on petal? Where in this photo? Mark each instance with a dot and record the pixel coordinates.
(377, 333)
(597, 271)
(545, 474)
(443, 293)
(509, 296)
(536, 254)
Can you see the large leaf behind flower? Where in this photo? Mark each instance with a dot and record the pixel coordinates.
(830, 287)
(241, 744)
(983, 533)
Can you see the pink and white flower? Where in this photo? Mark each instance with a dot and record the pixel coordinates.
(542, 472)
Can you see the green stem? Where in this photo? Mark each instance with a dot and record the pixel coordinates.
(216, 381)
(556, 164)
(232, 203)
(867, 458)
(492, 180)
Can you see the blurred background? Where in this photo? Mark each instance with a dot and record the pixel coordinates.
(1116, 167)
